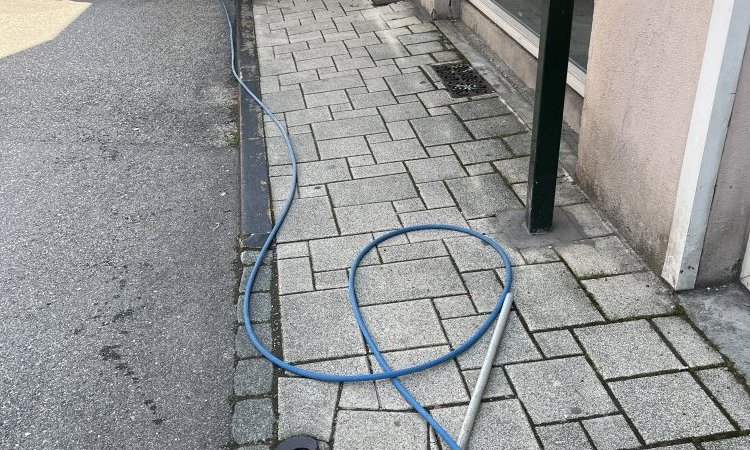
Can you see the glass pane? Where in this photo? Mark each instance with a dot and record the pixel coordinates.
(528, 12)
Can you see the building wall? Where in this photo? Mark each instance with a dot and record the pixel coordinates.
(727, 231)
(644, 62)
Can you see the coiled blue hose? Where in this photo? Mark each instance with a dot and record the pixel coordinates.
(387, 372)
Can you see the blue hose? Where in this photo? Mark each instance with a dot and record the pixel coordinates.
(387, 372)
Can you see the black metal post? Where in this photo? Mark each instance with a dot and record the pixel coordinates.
(554, 48)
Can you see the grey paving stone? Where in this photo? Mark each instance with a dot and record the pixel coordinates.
(454, 306)
(626, 349)
(434, 99)
(388, 50)
(481, 151)
(326, 98)
(557, 343)
(319, 325)
(373, 99)
(380, 72)
(242, 345)
(599, 257)
(446, 56)
(309, 219)
(321, 172)
(403, 111)
(292, 250)
(421, 385)
(348, 128)
(559, 389)
(435, 169)
(424, 278)
(277, 66)
(338, 252)
(295, 275)
(260, 308)
(298, 77)
(379, 170)
(740, 443)
(362, 160)
(378, 138)
(584, 215)
(404, 325)
(515, 346)
(514, 170)
(262, 280)
(343, 147)
(312, 191)
(413, 62)
(420, 37)
(611, 433)
(318, 63)
(286, 100)
(343, 64)
(484, 289)
(479, 169)
(695, 350)
(729, 392)
(630, 295)
(398, 151)
(480, 109)
(320, 51)
(494, 126)
(516, 432)
(367, 218)
(306, 407)
(408, 83)
(253, 377)
(497, 384)
(440, 130)
(566, 194)
(408, 252)
(379, 430)
(539, 255)
(548, 296)
(372, 190)
(408, 205)
(520, 143)
(400, 130)
(303, 144)
(252, 421)
(330, 280)
(563, 436)
(668, 407)
(482, 195)
(340, 82)
(435, 194)
(449, 216)
(425, 47)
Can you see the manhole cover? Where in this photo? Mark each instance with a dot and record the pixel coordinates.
(298, 443)
(462, 80)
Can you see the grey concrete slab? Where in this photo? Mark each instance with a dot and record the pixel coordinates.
(740, 443)
(339, 252)
(454, 306)
(440, 130)
(424, 278)
(306, 407)
(372, 190)
(724, 316)
(348, 127)
(482, 195)
(435, 169)
(691, 346)
(450, 216)
(495, 126)
(408, 83)
(242, 345)
(473, 152)
(343, 147)
(611, 433)
(515, 346)
(560, 389)
(435, 195)
(631, 295)
(564, 436)
(471, 254)
(366, 218)
(379, 430)
(557, 343)
(390, 331)
(548, 296)
(321, 172)
(626, 349)
(398, 151)
(252, 421)
(599, 257)
(309, 219)
(480, 109)
(423, 385)
(484, 289)
(253, 377)
(319, 325)
(497, 384)
(730, 392)
(407, 252)
(668, 407)
(295, 275)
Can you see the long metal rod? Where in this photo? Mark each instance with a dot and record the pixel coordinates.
(484, 374)
(551, 75)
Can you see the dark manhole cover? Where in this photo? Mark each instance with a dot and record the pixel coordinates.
(298, 443)
(462, 80)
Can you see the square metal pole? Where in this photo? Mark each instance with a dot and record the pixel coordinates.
(552, 71)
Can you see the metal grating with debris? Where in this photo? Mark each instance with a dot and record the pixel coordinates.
(461, 80)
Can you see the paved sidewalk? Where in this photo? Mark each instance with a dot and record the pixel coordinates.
(595, 355)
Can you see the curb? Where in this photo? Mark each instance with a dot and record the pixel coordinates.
(255, 203)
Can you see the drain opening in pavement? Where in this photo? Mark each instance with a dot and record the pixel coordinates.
(461, 80)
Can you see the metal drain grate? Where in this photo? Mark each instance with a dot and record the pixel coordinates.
(462, 80)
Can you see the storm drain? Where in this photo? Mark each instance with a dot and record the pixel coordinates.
(461, 80)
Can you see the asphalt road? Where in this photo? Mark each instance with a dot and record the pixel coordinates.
(118, 218)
